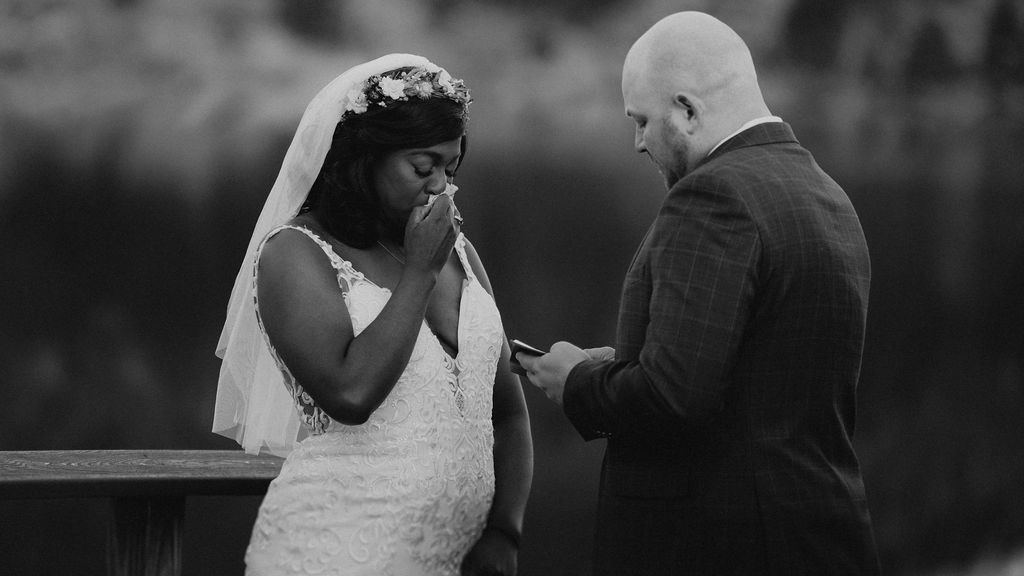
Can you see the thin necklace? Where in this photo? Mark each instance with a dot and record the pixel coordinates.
(400, 261)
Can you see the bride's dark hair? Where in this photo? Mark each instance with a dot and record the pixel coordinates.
(343, 193)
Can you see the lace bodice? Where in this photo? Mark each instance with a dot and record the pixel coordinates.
(407, 492)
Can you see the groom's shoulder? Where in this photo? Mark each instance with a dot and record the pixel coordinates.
(727, 176)
(756, 168)
(708, 189)
(752, 181)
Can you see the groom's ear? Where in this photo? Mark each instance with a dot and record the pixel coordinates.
(689, 110)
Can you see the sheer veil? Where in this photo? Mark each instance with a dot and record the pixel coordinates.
(253, 404)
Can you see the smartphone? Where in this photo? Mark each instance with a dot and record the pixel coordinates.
(518, 346)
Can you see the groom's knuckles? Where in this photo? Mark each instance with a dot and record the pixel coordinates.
(561, 347)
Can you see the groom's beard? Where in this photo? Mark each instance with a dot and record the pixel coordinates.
(677, 164)
(660, 169)
(680, 149)
(670, 175)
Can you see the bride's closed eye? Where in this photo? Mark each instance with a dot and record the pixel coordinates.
(427, 172)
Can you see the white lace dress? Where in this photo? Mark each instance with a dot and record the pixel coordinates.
(406, 493)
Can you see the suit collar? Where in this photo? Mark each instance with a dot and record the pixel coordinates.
(758, 135)
(748, 124)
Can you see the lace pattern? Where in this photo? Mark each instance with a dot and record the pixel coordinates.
(407, 492)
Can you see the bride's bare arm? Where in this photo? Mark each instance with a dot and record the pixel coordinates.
(513, 446)
(306, 318)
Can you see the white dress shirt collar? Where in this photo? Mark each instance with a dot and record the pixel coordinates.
(754, 122)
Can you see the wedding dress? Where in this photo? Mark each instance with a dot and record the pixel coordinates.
(406, 493)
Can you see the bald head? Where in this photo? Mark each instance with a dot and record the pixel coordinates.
(695, 56)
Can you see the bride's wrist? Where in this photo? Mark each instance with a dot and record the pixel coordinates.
(506, 533)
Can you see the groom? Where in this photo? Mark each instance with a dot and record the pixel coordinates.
(729, 403)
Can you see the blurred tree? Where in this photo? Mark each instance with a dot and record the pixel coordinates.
(874, 70)
(930, 60)
(441, 9)
(571, 10)
(813, 30)
(316, 20)
(1004, 54)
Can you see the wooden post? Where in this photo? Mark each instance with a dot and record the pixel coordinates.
(145, 535)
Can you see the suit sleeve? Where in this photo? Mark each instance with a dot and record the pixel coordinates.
(702, 258)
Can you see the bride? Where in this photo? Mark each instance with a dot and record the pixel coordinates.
(362, 342)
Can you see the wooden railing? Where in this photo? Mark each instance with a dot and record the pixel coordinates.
(147, 490)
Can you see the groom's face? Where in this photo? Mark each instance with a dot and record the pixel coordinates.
(656, 133)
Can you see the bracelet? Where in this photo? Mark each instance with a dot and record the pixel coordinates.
(510, 535)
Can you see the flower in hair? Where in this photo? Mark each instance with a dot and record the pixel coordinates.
(424, 89)
(444, 79)
(422, 83)
(356, 101)
(392, 88)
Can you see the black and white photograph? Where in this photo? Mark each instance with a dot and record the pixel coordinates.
(511, 287)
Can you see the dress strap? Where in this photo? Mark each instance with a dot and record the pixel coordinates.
(315, 419)
(460, 249)
(336, 261)
(346, 270)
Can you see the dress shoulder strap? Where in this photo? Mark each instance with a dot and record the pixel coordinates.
(346, 271)
(460, 248)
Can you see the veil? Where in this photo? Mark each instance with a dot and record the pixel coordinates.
(253, 404)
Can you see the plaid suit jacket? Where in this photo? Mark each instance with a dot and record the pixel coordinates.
(729, 409)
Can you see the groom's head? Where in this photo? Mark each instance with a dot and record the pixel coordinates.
(687, 83)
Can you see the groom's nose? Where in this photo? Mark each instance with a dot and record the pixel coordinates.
(638, 141)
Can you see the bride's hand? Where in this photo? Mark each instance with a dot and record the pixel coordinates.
(492, 555)
(430, 234)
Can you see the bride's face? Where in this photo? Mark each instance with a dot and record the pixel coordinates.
(407, 178)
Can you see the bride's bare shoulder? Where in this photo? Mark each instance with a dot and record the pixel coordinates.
(291, 253)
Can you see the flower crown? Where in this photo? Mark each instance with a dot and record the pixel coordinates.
(421, 82)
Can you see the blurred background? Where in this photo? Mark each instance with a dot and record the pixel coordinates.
(139, 138)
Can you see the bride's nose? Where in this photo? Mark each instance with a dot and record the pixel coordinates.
(437, 183)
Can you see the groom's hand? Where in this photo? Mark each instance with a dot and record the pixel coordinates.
(602, 353)
(548, 372)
